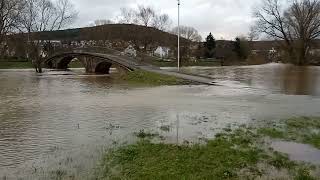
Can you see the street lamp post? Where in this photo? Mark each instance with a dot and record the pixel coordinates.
(178, 35)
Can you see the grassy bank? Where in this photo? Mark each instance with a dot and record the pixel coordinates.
(152, 79)
(239, 154)
(303, 130)
(15, 65)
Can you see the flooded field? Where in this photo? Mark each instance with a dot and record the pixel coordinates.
(61, 122)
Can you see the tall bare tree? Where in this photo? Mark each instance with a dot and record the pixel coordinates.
(193, 38)
(189, 33)
(43, 15)
(162, 22)
(304, 21)
(296, 24)
(145, 16)
(10, 11)
(127, 16)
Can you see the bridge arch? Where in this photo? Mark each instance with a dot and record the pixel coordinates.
(93, 62)
(103, 67)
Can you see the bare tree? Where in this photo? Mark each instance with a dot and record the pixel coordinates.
(296, 25)
(43, 15)
(127, 16)
(65, 13)
(162, 22)
(145, 16)
(189, 33)
(10, 11)
(304, 21)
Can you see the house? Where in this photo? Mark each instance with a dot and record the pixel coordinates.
(162, 52)
(130, 51)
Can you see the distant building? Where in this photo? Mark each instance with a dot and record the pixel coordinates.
(162, 52)
(130, 51)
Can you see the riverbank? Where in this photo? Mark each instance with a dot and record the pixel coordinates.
(242, 153)
(15, 65)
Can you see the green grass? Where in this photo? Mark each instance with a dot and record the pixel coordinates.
(227, 156)
(217, 159)
(300, 129)
(15, 65)
(76, 64)
(152, 79)
(271, 132)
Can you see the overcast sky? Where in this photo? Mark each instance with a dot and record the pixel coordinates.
(224, 18)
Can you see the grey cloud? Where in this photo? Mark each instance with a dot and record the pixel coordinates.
(224, 18)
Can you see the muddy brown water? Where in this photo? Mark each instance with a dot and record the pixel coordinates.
(59, 124)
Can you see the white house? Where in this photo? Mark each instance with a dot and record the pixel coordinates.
(162, 52)
(130, 51)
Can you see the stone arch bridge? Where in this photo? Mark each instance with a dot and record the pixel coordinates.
(93, 62)
(101, 63)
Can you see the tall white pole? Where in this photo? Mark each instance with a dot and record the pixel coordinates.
(178, 35)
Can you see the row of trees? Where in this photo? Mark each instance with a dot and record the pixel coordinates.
(29, 16)
(147, 16)
(295, 23)
(239, 48)
(142, 15)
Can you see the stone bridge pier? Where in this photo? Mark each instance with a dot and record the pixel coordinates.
(94, 65)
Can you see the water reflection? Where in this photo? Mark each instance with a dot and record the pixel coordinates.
(277, 78)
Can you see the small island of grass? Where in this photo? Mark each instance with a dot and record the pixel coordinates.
(152, 79)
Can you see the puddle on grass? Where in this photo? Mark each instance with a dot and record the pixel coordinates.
(297, 151)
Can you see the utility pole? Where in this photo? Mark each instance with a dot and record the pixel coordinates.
(178, 35)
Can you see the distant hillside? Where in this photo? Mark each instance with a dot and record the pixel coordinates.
(114, 32)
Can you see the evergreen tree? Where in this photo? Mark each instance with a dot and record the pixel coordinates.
(237, 47)
(241, 48)
(210, 45)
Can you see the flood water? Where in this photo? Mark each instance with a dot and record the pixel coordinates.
(275, 78)
(60, 123)
(297, 151)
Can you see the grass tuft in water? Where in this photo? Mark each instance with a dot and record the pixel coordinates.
(165, 128)
(304, 174)
(143, 134)
(271, 132)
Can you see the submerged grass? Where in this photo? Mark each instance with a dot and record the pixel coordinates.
(300, 129)
(231, 155)
(143, 134)
(218, 159)
(152, 79)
